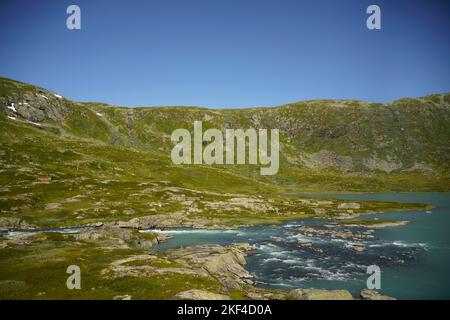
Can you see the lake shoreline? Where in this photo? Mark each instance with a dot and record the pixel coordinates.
(289, 259)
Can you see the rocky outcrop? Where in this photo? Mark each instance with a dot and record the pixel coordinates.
(310, 247)
(326, 159)
(226, 264)
(196, 294)
(10, 223)
(18, 239)
(255, 205)
(52, 206)
(317, 294)
(261, 294)
(374, 295)
(115, 236)
(36, 106)
(358, 247)
(153, 221)
(387, 165)
(148, 266)
(336, 233)
(349, 205)
(376, 225)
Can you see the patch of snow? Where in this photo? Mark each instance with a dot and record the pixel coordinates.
(57, 95)
(36, 124)
(12, 118)
(41, 95)
(11, 107)
(99, 114)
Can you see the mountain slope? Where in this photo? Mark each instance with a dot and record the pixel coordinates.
(111, 169)
(326, 145)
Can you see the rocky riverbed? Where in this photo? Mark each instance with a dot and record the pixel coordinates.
(220, 270)
(225, 266)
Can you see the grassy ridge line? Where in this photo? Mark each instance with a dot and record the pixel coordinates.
(98, 182)
(327, 145)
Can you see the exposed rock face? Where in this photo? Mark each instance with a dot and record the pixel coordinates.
(196, 294)
(20, 239)
(153, 221)
(374, 295)
(389, 224)
(181, 219)
(336, 234)
(144, 266)
(36, 106)
(255, 205)
(120, 237)
(387, 166)
(14, 224)
(52, 206)
(226, 264)
(309, 246)
(358, 247)
(326, 159)
(349, 205)
(260, 294)
(316, 294)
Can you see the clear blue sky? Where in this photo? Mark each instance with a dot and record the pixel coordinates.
(227, 53)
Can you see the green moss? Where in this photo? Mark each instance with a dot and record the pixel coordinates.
(145, 235)
(155, 262)
(237, 295)
(10, 87)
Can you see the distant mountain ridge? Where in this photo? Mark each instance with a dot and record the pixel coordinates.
(326, 145)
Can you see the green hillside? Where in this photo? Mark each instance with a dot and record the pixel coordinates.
(111, 168)
(112, 162)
